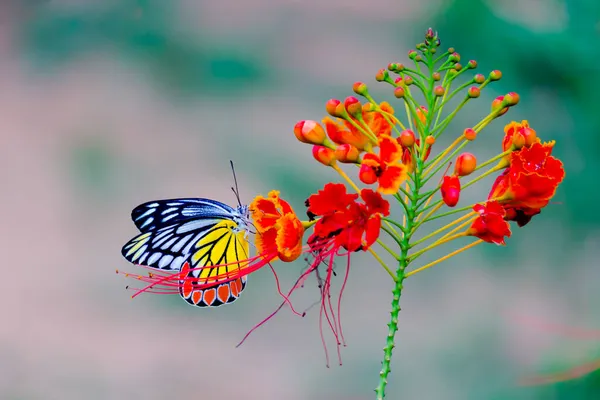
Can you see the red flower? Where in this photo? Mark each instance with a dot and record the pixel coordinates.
(531, 179)
(490, 225)
(450, 190)
(341, 133)
(386, 168)
(349, 224)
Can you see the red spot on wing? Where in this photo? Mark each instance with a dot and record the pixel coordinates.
(223, 293)
(187, 289)
(209, 296)
(235, 287)
(196, 296)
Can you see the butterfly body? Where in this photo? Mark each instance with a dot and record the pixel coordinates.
(196, 234)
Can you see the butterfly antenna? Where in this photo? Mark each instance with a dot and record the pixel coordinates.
(236, 190)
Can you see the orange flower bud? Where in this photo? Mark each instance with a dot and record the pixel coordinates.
(530, 136)
(360, 88)
(346, 153)
(465, 164)
(430, 140)
(367, 175)
(353, 106)
(474, 92)
(450, 190)
(368, 107)
(479, 78)
(436, 76)
(472, 64)
(511, 99)
(497, 103)
(399, 92)
(309, 132)
(408, 80)
(324, 155)
(407, 138)
(470, 134)
(439, 91)
(382, 75)
(331, 107)
(458, 66)
(422, 114)
(454, 57)
(495, 75)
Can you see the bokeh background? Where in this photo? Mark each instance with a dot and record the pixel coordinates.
(107, 104)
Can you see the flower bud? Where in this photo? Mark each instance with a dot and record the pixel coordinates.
(399, 92)
(408, 80)
(430, 140)
(433, 50)
(324, 155)
(407, 138)
(382, 75)
(422, 114)
(436, 76)
(399, 81)
(331, 107)
(360, 88)
(412, 54)
(368, 107)
(458, 66)
(470, 134)
(429, 34)
(418, 58)
(439, 91)
(530, 136)
(479, 78)
(451, 50)
(309, 132)
(454, 57)
(511, 99)
(346, 153)
(473, 92)
(472, 64)
(495, 75)
(497, 104)
(450, 190)
(465, 164)
(367, 175)
(353, 106)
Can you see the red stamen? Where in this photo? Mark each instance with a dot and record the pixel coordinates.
(340, 300)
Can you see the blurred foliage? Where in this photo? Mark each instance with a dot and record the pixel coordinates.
(560, 60)
(147, 33)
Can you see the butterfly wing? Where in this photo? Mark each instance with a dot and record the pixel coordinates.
(155, 215)
(220, 245)
(170, 228)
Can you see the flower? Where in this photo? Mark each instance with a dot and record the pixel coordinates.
(450, 190)
(341, 133)
(490, 225)
(518, 135)
(531, 179)
(279, 231)
(386, 168)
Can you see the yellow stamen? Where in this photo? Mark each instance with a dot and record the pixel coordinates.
(461, 226)
(436, 244)
(439, 260)
(493, 159)
(389, 271)
(346, 177)
(430, 213)
(456, 142)
(407, 188)
(443, 228)
(385, 246)
(486, 173)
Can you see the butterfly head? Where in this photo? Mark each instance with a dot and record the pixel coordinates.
(243, 220)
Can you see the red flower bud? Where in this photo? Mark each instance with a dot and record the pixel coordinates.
(454, 57)
(439, 91)
(408, 80)
(324, 155)
(465, 164)
(346, 153)
(407, 138)
(309, 132)
(353, 106)
(472, 64)
(450, 190)
(399, 92)
(367, 175)
(331, 107)
(470, 134)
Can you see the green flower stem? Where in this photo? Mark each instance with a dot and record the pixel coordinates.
(493, 159)
(440, 128)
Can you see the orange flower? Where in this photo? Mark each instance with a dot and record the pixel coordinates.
(518, 135)
(377, 122)
(279, 231)
(385, 168)
(490, 225)
(531, 179)
(341, 133)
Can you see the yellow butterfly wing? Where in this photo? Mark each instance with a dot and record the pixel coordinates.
(225, 247)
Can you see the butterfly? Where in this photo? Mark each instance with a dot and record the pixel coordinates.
(190, 235)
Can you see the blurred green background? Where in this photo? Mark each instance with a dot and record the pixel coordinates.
(107, 104)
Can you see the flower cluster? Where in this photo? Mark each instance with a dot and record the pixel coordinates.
(376, 152)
